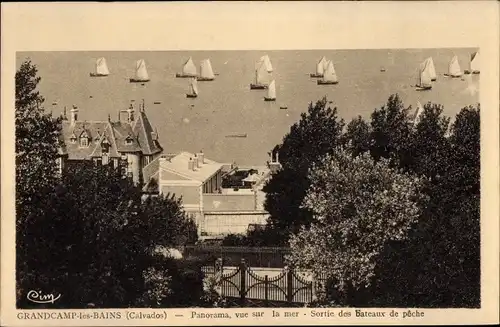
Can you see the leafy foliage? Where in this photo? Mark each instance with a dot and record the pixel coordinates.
(358, 205)
(87, 234)
(37, 135)
(316, 134)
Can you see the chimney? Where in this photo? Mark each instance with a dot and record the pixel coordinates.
(191, 164)
(130, 114)
(196, 162)
(201, 157)
(74, 114)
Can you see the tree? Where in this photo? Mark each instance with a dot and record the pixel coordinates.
(37, 137)
(87, 234)
(429, 146)
(358, 136)
(98, 239)
(439, 264)
(358, 205)
(316, 134)
(391, 132)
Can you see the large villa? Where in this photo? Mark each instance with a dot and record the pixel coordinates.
(221, 198)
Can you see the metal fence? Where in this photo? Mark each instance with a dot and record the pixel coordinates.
(247, 287)
(269, 257)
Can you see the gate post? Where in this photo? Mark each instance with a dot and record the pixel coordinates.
(243, 286)
(314, 286)
(266, 291)
(289, 284)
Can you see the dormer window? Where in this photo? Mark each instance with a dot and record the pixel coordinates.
(129, 140)
(105, 145)
(97, 137)
(72, 138)
(84, 142)
(84, 139)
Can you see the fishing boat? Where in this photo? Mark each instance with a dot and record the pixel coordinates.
(418, 114)
(206, 72)
(283, 107)
(267, 62)
(320, 68)
(237, 135)
(454, 69)
(474, 64)
(188, 70)
(261, 77)
(329, 76)
(157, 102)
(101, 68)
(424, 77)
(432, 69)
(382, 69)
(271, 92)
(141, 73)
(193, 89)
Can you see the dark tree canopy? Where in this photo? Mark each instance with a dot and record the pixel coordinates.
(315, 135)
(88, 234)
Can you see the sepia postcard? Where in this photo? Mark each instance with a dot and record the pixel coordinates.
(249, 163)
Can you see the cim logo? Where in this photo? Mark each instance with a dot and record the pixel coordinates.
(39, 297)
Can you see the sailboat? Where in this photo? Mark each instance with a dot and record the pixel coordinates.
(432, 69)
(271, 92)
(261, 75)
(206, 72)
(320, 68)
(418, 113)
(329, 76)
(101, 68)
(193, 89)
(141, 73)
(474, 64)
(265, 59)
(188, 69)
(454, 68)
(424, 77)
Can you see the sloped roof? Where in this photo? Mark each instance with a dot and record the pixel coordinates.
(179, 165)
(148, 139)
(122, 137)
(73, 149)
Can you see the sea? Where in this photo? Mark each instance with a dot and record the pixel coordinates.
(227, 106)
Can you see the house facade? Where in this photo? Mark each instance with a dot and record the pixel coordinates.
(132, 140)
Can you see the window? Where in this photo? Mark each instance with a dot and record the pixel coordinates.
(128, 140)
(115, 163)
(99, 161)
(84, 142)
(72, 139)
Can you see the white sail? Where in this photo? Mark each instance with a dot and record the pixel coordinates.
(206, 69)
(265, 59)
(271, 90)
(432, 69)
(261, 74)
(321, 66)
(189, 68)
(141, 72)
(474, 63)
(424, 77)
(101, 67)
(330, 75)
(454, 67)
(418, 113)
(193, 86)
